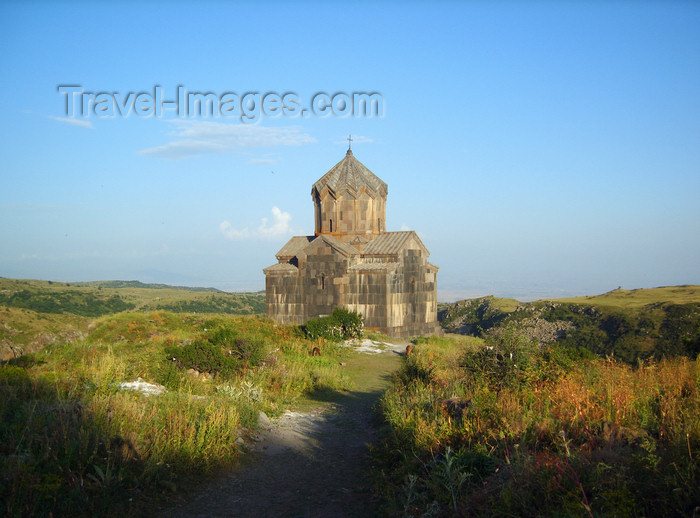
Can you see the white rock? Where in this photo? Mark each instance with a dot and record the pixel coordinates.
(263, 420)
(139, 385)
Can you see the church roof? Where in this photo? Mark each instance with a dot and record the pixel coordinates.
(336, 243)
(294, 246)
(299, 244)
(281, 268)
(350, 174)
(391, 243)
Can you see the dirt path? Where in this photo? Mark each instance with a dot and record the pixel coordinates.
(309, 463)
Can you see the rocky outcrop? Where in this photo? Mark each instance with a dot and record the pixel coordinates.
(13, 348)
(541, 330)
(472, 317)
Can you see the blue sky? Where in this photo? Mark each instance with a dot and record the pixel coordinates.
(540, 149)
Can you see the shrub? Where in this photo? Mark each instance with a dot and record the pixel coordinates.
(223, 352)
(203, 356)
(251, 351)
(507, 359)
(342, 324)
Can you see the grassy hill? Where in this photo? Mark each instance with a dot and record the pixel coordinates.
(105, 297)
(630, 299)
(629, 324)
(34, 313)
(75, 441)
(25, 331)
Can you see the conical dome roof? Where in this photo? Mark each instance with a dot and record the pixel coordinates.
(351, 175)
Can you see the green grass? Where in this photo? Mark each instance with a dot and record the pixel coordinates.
(73, 443)
(360, 380)
(550, 430)
(25, 331)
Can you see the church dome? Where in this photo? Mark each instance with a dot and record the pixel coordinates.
(349, 200)
(350, 175)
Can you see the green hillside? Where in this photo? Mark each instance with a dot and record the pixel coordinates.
(629, 324)
(25, 331)
(93, 299)
(622, 299)
(35, 313)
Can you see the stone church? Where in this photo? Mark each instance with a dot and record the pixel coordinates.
(351, 261)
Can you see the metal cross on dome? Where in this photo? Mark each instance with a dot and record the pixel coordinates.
(349, 142)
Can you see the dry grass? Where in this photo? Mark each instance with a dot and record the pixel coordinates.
(545, 435)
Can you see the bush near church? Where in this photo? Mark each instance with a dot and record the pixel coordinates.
(342, 324)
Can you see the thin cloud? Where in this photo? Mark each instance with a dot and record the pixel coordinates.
(74, 122)
(231, 233)
(267, 230)
(262, 161)
(203, 137)
(184, 148)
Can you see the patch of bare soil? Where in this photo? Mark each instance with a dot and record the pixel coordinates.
(308, 463)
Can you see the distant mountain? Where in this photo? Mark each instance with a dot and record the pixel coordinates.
(139, 284)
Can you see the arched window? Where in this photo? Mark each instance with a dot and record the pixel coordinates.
(331, 225)
(323, 282)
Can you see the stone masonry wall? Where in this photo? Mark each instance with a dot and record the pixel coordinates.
(398, 299)
(348, 215)
(284, 298)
